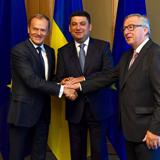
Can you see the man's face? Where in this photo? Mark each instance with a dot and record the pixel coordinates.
(79, 28)
(134, 31)
(38, 30)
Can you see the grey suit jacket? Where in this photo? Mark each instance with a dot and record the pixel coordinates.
(139, 88)
(140, 93)
(30, 92)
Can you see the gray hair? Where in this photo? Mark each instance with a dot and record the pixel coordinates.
(144, 19)
(40, 16)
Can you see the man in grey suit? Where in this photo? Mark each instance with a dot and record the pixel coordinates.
(32, 64)
(139, 86)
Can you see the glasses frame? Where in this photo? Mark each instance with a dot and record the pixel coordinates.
(131, 27)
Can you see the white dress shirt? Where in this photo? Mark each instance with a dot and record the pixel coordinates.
(44, 55)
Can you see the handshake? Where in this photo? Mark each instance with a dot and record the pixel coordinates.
(71, 86)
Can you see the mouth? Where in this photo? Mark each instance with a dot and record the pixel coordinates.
(38, 38)
(78, 32)
(128, 38)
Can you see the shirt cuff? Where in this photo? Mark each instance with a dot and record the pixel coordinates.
(61, 91)
(80, 87)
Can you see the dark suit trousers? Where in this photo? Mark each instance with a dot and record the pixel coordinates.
(139, 151)
(78, 137)
(28, 139)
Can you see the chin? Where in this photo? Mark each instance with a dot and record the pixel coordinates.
(79, 40)
(37, 42)
(129, 42)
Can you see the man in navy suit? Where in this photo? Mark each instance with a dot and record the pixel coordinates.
(32, 85)
(80, 60)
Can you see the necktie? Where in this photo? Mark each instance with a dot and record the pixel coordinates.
(42, 61)
(135, 55)
(82, 56)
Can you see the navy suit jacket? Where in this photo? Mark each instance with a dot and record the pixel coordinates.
(98, 60)
(30, 92)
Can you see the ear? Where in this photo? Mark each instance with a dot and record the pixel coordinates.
(90, 27)
(146, 30)
(69, 28)
(28, 29)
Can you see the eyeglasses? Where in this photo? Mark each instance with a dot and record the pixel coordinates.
(131, 27)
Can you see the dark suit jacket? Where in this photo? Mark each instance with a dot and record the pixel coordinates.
(139, 91)
(30, 92)
(98, 59)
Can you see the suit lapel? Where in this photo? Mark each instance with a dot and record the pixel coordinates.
(90, 54)
(74, 57)
(139, 59)
(35, 56)
(33, 51)
(124, 68)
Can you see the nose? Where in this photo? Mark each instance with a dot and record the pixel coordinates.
(39, 32)
(126, 31)
(78, 26)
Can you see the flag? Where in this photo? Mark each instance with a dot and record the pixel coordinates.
(58, 139)
(125, 7)
(13, 29)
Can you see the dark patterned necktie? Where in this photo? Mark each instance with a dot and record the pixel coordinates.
(82, 56)
(42, 61)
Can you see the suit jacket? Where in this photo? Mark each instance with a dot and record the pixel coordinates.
(98, 60)
(30, 92)
(139, 95)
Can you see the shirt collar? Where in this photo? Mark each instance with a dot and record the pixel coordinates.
(35, 46)
(138, 49)
(86, 42)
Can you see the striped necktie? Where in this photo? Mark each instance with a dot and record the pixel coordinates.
(82, 56)
(135, 55)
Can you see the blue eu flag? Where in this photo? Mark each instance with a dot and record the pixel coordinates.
(125, 7)
(13, 29)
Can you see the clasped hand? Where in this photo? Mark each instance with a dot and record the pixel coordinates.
(71, 85)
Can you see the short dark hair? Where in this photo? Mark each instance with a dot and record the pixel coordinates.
(81, 13)
(40, 16)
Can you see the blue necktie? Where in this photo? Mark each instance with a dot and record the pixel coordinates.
(82, 56)
(42, 61)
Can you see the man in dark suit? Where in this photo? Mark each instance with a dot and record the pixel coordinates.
(32, 77)
(88, 111)
(139, 83)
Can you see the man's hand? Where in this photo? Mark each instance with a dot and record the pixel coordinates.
(152, 140)
(75, 86)
(72, 83)
(72, 80)
(65, 80)
(77, 80)
(70, 93)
